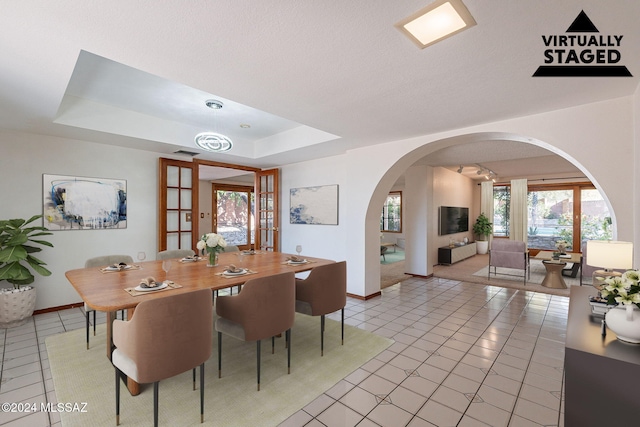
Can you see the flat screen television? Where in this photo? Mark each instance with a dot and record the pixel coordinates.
(452, 220)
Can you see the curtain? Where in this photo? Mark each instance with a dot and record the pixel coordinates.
(518, 214)
(486, 201)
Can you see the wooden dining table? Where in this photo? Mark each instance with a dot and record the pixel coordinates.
(112, 291)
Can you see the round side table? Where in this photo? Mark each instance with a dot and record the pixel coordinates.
(553, 278)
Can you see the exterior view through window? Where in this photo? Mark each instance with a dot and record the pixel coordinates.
(552, 215)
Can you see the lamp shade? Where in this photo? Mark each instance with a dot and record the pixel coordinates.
(610, 254)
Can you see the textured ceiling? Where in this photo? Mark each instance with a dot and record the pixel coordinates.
(312, 79)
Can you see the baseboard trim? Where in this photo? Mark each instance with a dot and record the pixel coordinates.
(58, 308)
(364, 298)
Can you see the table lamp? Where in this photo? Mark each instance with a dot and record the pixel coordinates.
(607, 255)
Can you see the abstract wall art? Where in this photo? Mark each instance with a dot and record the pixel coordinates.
(80, 203)
(314, 205)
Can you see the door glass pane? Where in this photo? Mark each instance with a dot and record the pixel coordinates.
(596, 219)
(185, 175)
(173, 221)
(172, 198)
(172, 241)
(233, 216)
(184, 224)
(185, 198)
(185, 240)
(550, 218)
(172, 176)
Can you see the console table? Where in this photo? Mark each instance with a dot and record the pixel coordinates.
(599, 371)
(451, 255)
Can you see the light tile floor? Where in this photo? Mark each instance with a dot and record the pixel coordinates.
(464, 355)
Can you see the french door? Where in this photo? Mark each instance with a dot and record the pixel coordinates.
(178, 209)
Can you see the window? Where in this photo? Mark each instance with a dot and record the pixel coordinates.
(391, 218)
(551, 213)
(234, 214)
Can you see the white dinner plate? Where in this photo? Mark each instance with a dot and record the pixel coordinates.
(193, 259)
(304, 261)
(157, 288)
(237, 273)
(112, 268)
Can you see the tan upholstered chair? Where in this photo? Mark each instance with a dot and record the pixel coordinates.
(175, 253)
(165, 337)
(231, 248)
(512, 254)
(323, 292)
(263, 309)
(102, 261)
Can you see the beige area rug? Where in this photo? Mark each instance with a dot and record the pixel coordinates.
(393, 273)
(474, 270)
(82, 375)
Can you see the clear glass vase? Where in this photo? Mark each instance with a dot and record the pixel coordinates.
(213, 259)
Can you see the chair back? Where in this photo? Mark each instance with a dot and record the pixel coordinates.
(175, 253)
(105, 260)
(167, 336)
(508, 254)
(231, 248)
(268, 306)
(325, 289)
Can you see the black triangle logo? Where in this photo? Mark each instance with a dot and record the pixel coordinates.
(582, 24)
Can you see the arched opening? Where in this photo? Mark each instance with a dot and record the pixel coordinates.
(420, 251)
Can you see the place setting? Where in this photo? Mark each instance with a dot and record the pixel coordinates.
(150, 284)
(192, 258)
(297, 259)
(233, 271)
(119, 267)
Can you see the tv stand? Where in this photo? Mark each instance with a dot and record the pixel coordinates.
(450, 255)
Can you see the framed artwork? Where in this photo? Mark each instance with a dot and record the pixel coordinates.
(314, 205)
(80, 203)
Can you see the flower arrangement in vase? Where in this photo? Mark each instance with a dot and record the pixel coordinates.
(561, 246)
(212, 244)
(623, 291)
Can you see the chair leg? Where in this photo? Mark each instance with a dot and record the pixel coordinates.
(201, 392)
(273, 345)
(155, 403)
(117, 395)
(94, 323)
(322, 335)
(342, 326)
(194, 378)
(258, 360)
(219, 354)
(288, 337)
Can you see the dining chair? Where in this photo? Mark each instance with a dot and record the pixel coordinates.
(323, 292)
(175, 253)
(263, 309)
(165, 337)
(102, 261)
(231, 248)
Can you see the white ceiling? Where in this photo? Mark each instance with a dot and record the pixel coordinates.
(313, 79)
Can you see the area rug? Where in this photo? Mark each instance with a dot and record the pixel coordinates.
(474, 270)
(390, 257)
(81, 375)
(391, 274)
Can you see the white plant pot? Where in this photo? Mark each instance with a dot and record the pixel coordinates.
(16, 306)
(482, 246)
(625, 322)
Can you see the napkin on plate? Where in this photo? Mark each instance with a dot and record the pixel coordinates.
(233, 269)
(149, 282)
(295, 258)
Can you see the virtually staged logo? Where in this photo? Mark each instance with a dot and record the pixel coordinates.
(580, 53)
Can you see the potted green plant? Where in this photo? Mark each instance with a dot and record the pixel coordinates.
(17, 266)
(483, 229)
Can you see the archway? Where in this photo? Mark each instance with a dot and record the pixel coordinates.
(423, 251)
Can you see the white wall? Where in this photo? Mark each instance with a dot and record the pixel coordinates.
(598, 138)
(24, 158)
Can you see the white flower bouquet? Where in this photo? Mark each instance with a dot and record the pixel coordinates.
(622, 289)
(212, 244)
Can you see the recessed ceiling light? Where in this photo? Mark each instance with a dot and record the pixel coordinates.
(212, 141)
(439, 20)
(214, 104)
(245, 125)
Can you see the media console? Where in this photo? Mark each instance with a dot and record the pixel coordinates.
(451, 255)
